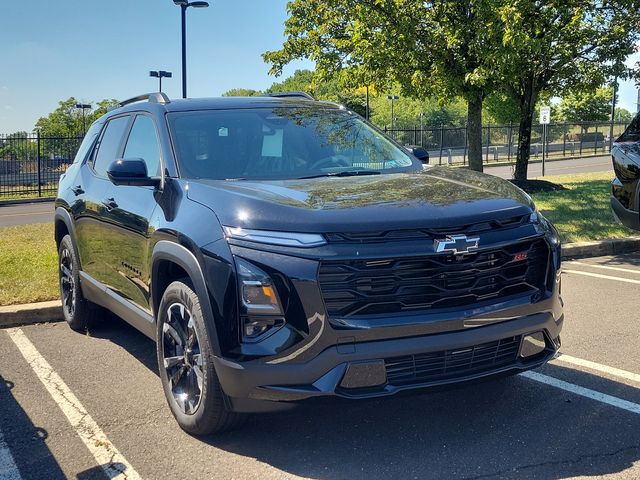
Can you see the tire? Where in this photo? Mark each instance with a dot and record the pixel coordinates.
(76, 309)
(188, 376)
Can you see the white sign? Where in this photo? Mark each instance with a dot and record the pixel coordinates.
(545, 115)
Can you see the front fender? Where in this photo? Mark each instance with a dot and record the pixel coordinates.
(180, 255)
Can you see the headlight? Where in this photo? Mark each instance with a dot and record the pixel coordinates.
(286, 239)
(260, 302)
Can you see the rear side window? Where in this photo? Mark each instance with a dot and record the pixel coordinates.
(143, 143)
(109, 145)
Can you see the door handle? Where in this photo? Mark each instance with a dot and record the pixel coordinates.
(110, 203)
(77, 190)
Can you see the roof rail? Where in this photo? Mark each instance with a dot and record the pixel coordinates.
(156, 97)
(291, 95)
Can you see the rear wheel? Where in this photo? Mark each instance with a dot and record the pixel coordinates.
(185, 362)
(76, 309)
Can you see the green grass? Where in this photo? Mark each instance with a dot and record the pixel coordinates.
(28, 264)
(582, 212)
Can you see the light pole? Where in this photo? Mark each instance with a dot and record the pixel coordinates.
(421, 128)
(184, 4)
(160, 74)
(83, 107)
(392, 98)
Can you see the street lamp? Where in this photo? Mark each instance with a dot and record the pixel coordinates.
(392, 98)
(184, 4)
(83, 107)
(160, 74)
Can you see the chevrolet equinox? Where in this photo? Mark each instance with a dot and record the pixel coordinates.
(280, 248)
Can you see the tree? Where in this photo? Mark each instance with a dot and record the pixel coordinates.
(242, 92)
(442, 48)
(67, 121)
(329, 89)
(588, 106)
(557, 46)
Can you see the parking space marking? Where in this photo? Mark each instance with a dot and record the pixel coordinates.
(605, 277)
(605, 267)
(106, 454)
(615, 372)
(584, 392)
(8, 468)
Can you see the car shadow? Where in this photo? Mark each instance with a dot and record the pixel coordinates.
(26, 441)
(502, 428)
(505, 428)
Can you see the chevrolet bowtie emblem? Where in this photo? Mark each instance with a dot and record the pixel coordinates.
(456, 244)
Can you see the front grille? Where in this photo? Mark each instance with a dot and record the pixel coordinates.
(425, 233)
(388, 286)
(452, 364)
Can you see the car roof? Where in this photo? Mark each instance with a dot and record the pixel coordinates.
(221, 103)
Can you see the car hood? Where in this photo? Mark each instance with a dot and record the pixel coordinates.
(434, 198)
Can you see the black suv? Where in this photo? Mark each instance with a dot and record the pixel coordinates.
(625, 188)
(281, 248)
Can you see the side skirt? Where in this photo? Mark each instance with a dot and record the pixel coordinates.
(96, 292)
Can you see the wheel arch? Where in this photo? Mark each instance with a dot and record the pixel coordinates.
(167, 253)
(63, 225)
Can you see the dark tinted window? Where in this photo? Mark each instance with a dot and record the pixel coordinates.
(632, 133)
(109, 143)
(280, 143)
(143, 143)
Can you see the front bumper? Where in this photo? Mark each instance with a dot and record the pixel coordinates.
(264, 386)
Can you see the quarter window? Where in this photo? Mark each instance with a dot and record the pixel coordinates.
(109, 146)
(143, 143)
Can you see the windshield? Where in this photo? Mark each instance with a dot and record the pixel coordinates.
(281, 143)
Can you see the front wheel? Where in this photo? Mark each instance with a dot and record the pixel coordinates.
(185, 362)
(76, 309)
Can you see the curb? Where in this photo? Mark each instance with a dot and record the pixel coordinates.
(600, 248)
(30, 313)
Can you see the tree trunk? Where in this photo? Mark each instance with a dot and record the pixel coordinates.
(474, 132)
(527, 108)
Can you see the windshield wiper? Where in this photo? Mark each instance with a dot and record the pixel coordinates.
(348, 173)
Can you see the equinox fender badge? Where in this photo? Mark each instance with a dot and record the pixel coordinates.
(456, 244)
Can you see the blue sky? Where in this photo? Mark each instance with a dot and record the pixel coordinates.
(51, 50)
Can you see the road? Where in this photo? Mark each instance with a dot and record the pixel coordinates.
(557, 167)
(578, 417)
(26, 213)
(43, 212)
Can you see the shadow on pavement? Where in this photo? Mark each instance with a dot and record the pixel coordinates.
(25, 440)
(511, 427)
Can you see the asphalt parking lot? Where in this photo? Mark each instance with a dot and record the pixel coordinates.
(91, 406)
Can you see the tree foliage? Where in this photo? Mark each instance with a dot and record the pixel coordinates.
(511, 51)
(439, 48)
(67, 120)
(588, 106)
(554, 47)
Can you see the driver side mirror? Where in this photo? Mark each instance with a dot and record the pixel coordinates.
(419, 152)
(131, 171)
